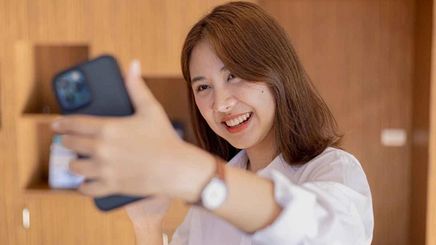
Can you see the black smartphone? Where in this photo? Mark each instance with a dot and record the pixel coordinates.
(95, 87)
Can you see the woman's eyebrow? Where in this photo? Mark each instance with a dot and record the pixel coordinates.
(196, 79)
(199, 78)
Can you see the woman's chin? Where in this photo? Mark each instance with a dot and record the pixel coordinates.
(240, 144)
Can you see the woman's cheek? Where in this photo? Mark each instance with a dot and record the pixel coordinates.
(204, 108)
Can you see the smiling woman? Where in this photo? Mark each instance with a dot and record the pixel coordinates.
(268, 170)
(240, 112)
(251, 47)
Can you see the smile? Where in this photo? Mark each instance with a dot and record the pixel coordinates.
(238, 124)
(236, 121)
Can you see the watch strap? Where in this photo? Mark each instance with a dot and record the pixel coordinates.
(219, 172)
(219, 169)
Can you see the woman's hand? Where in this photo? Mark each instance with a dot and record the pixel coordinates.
(135, 155)
(148, 212)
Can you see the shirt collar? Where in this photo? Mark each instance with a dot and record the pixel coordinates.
(240, 160)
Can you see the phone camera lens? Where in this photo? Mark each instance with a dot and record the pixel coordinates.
(73, 90)
(70, 98)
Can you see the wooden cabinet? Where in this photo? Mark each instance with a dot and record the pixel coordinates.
(373, 62)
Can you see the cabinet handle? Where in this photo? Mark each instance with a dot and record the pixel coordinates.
(26, 218)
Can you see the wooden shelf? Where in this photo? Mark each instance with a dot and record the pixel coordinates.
(37, 108)
(39, 117)
(43, 188)
(36, 65)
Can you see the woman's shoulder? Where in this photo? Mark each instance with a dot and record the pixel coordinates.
(337, 165)
(332, 164)
(332, 155)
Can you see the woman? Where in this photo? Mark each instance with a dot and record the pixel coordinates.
(289, 184)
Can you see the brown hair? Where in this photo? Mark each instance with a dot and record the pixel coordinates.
(254, 47)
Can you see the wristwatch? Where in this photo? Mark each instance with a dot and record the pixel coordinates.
(215, 192)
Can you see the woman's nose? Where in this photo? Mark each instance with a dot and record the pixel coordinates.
(223, 101)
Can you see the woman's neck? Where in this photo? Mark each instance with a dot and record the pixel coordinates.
(260, 155)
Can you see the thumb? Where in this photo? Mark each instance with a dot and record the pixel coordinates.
(139, 93)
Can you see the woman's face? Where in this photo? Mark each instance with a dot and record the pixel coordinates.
(239, 111)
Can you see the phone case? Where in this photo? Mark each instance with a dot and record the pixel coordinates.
(95, 87)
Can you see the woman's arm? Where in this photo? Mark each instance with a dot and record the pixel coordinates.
(332, 206)
(142, 155)
(147, 216)
(150, 234)
(250, 204)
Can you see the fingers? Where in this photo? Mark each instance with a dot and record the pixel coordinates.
(138, 91)
(95, 185)
(152, 203)
(81, 145)
(78, 124)
(95, 188)
(86, 168)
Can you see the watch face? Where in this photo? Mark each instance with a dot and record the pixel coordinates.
(214, 194)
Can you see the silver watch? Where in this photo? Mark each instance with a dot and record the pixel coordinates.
(214, 193)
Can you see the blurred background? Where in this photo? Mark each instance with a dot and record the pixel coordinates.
(371, 60)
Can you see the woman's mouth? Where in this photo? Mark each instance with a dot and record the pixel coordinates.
(238, 124)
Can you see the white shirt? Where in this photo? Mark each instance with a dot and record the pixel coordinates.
(325, 201)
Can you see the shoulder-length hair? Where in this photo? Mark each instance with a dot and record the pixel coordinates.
(254, 47)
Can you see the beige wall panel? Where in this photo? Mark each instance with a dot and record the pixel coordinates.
(359, 55)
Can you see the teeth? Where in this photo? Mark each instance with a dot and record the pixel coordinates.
(238, 120)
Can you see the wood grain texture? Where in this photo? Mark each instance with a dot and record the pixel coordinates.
(359, 55)
(363, 56)
(137, 34)
(12, 26)
(431, 203)
(420, 121)
(150, 30)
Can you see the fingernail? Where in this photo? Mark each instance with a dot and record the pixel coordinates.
(135, 68)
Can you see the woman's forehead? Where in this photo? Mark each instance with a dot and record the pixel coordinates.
(204, 60)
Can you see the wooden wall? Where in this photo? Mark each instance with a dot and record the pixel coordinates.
(361, 55)
(152, 31)
(364, 56)
(420, 121)
(431, 203)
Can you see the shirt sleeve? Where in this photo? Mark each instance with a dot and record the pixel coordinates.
(332, 206)
(181, 235)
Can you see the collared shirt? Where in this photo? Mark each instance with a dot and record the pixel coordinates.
(325, 201)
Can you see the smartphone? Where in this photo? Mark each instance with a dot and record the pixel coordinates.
(95, 87)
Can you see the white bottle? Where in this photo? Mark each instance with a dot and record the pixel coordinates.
(59, 174)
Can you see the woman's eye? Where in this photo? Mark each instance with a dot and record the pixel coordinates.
(230, 77)
(201, 88)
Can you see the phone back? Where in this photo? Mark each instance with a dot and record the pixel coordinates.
(95, 87)
(102, 79)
